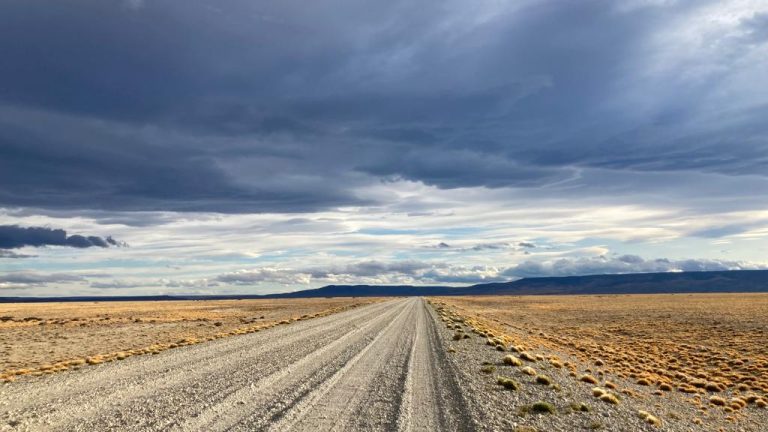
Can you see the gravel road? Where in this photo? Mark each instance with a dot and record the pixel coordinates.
(378, 367)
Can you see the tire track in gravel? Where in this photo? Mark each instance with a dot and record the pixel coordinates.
(173, 376)
(378, 367)
(215, 353)
(278, 389)
(331, 406)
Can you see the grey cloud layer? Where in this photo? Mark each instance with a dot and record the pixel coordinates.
(430, 272)
(13, 236)
(292, 107)
(381, 272)
(12, 254)
(621, 264)
(29, 279)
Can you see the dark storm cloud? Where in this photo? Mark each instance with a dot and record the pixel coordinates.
(287, 106)
(13, 236)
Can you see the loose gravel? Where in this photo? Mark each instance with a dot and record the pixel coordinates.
(378, 367)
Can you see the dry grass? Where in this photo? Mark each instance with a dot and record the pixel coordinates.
(512, 360)
(543, 408)
(649, 418)
(692, 346)
(43, 338)
(507, 383)
(712, 342)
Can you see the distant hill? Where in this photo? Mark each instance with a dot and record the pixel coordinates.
(636, 283)
(373, 291)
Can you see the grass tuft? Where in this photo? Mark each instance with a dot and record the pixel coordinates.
(507, 383)
(649, 418)
(580, 407)
(543, 408)
(717, 400)
(488, 369)
(610, 398)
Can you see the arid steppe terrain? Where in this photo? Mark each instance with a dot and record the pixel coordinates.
(631, 363)
(382, 366)
(39, 338)
(698, 359)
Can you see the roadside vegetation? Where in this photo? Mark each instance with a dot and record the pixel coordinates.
(621, 359)
(38, 339)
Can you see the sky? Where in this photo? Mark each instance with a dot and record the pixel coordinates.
(243, 146)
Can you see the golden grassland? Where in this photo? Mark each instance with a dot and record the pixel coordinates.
(44, 338)
(709, 349)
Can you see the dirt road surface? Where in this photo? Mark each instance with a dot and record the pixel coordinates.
(377, 367)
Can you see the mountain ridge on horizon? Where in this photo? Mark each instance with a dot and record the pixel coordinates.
(724, 281)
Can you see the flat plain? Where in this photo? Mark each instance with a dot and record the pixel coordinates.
(677, 363)
(381, 366)
(698, 359)
(42, 338)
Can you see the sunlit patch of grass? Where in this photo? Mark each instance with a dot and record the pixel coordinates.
(649, 418)
(512, 360)
(610, 398)
(717, 400)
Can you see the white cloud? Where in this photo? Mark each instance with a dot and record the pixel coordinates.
(621, 264)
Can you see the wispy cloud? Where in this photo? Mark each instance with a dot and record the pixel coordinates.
(12, 254)
(25, 280)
